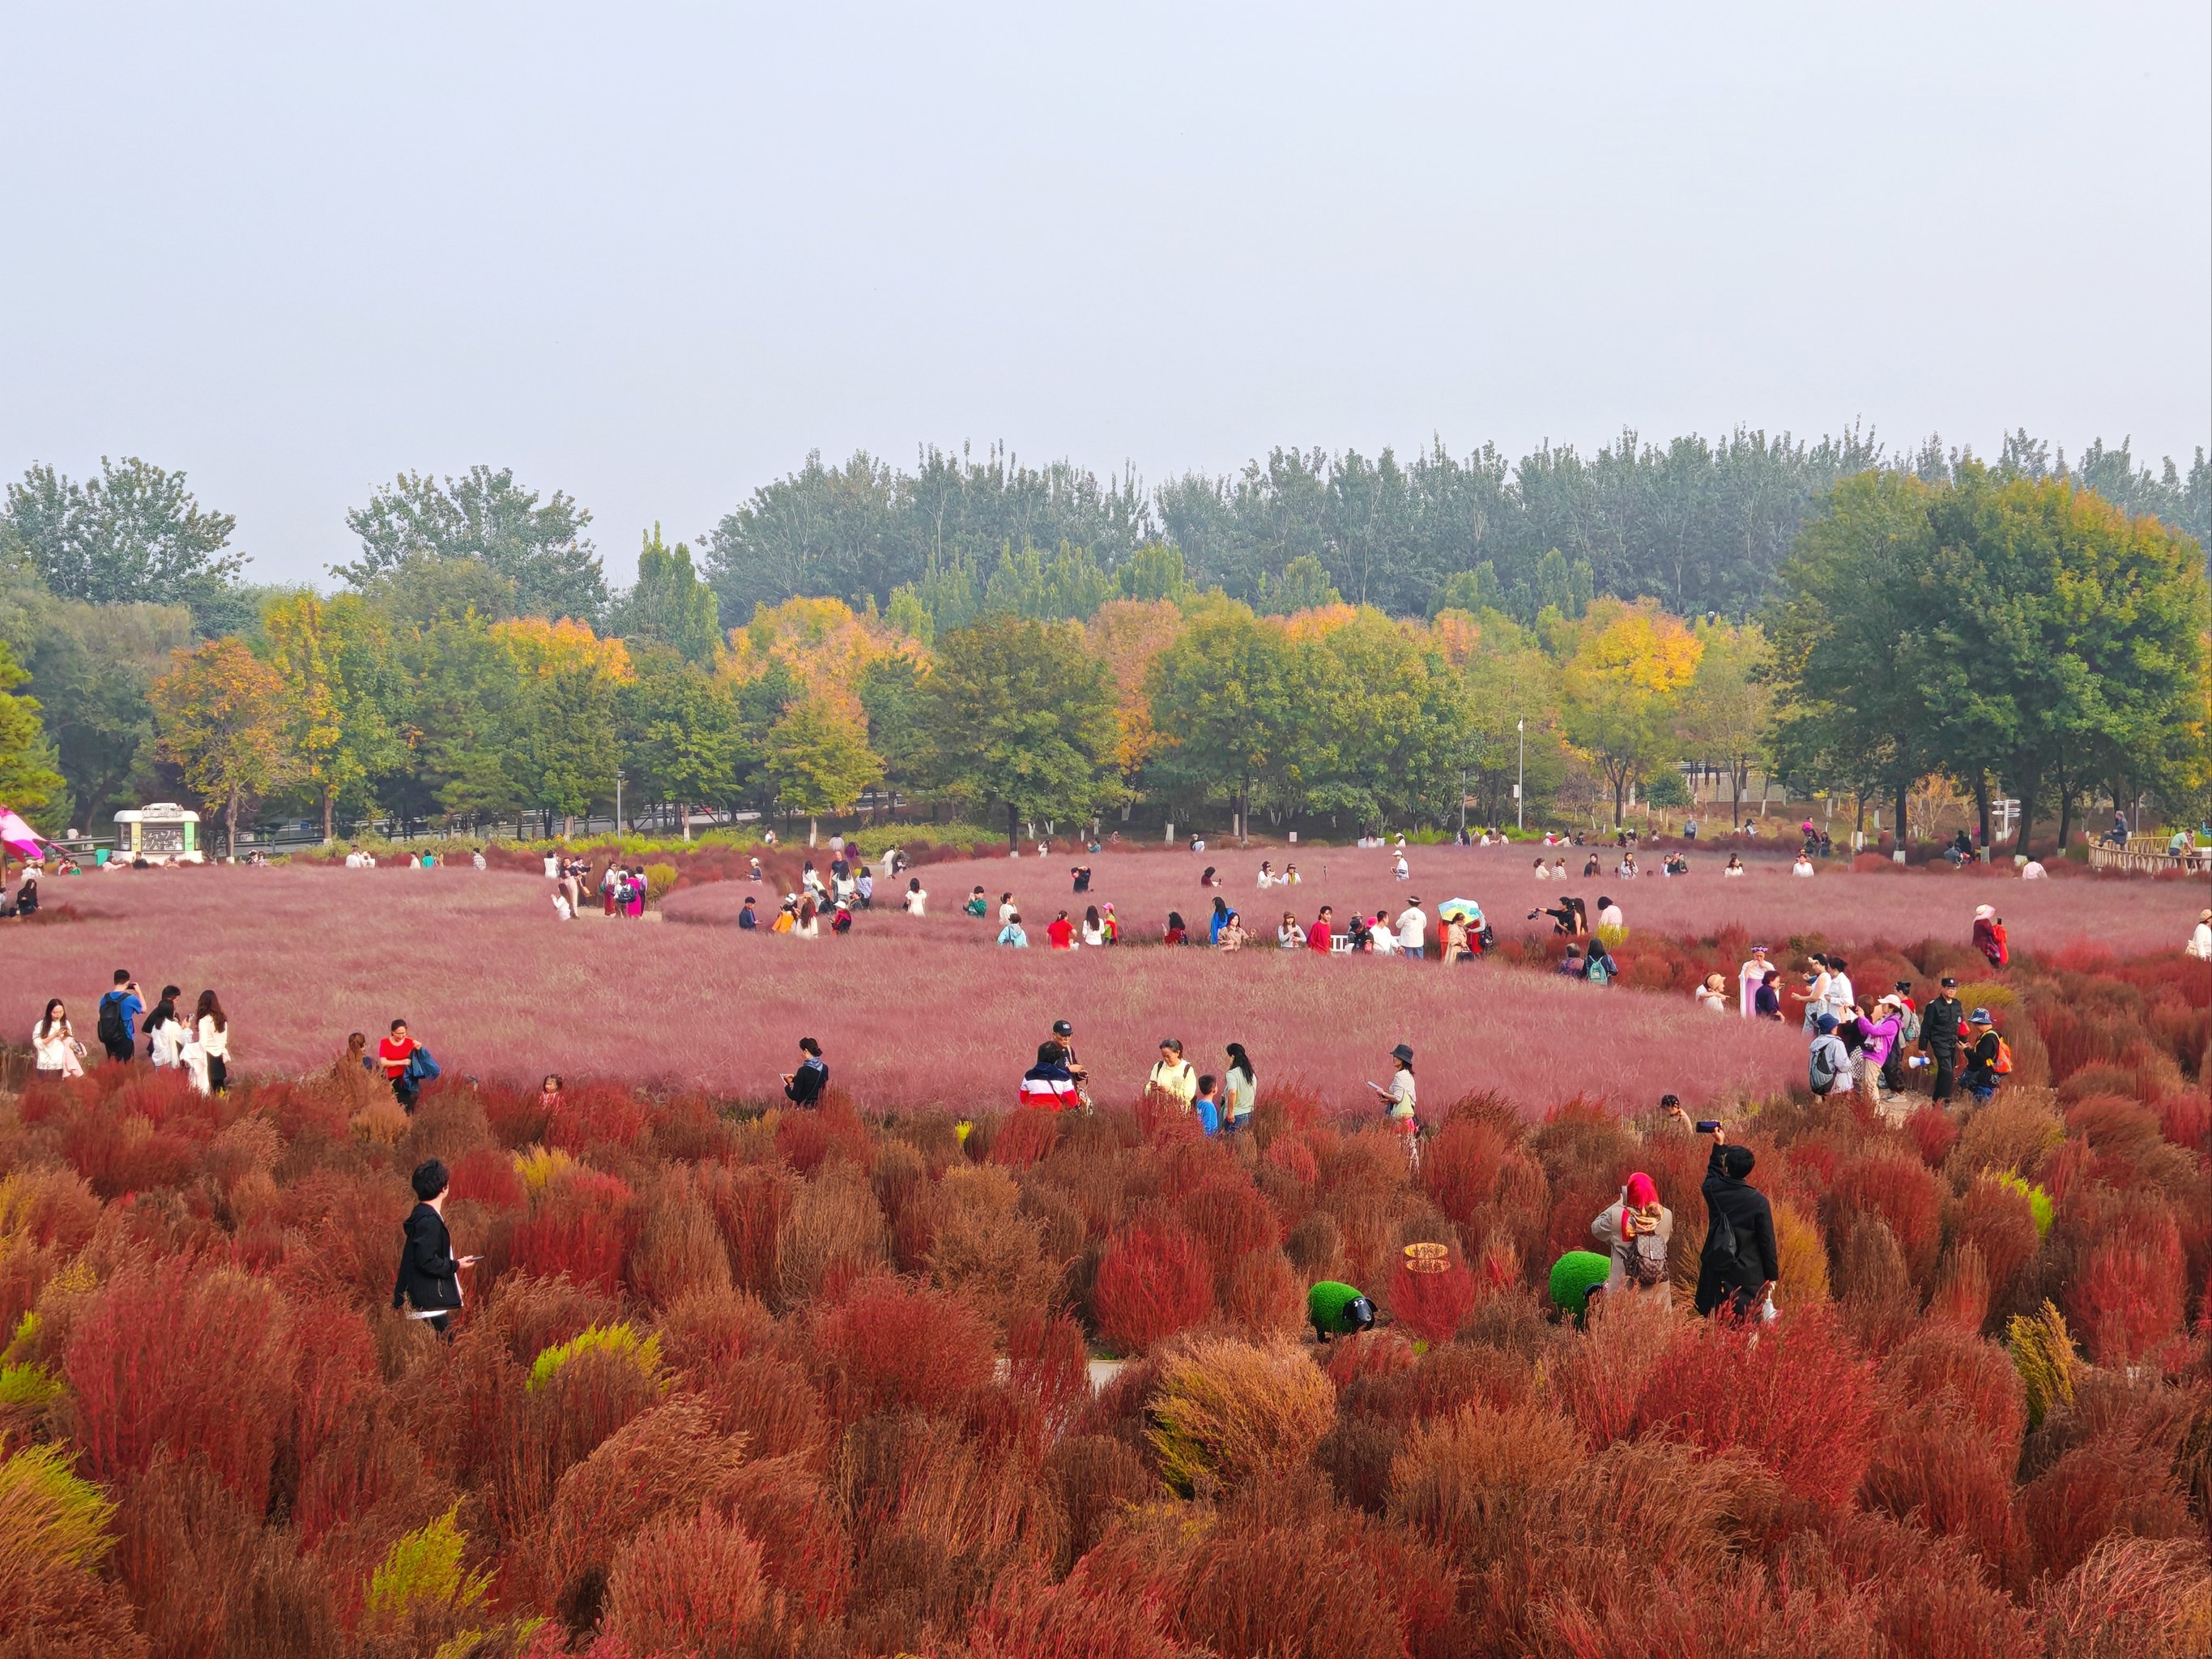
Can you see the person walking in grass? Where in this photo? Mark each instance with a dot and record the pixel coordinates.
(1636, 1232)
(120, 1010)
(165, 1036)
(1749, 978)
(804, 1087)
(1336, 1308)
(1238, 1087)
(396, 1055)
(1173, 1077)
(427, 1287)
(1413, 930)
(1740, 1264)
(1402, 1101)
(211, 1034)
(1942, 1023)
(1987, 1058)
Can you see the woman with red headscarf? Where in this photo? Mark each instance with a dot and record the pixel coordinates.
(1635, 1231)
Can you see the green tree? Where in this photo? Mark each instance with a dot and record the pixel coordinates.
(670, 606)
(1850, 641)
(134, 533)
(1303, 586)
(1729, 705)
(222, 716)
(30, 782)
(488, 517)
(682, 736)
(1225, 711)
(1018, 714)
(2059, 626)
(334, 656)
(818, 760)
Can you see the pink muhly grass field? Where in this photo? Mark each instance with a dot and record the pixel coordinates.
(2124, 914)
(911, 1014)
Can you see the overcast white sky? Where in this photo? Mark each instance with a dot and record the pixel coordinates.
(653, 254)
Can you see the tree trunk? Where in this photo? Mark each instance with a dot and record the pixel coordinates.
(230, 827)
(687, 822)
(2065, 820)
(1982, 801)
(1620, 795)
(1904, 793)
(2031, 784)
(1012, 839)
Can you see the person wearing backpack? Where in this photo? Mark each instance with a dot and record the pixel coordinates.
(1987, 1060)
(1740, 1264)
(1828, 1065)
(1636, 1232)
(119, 1012)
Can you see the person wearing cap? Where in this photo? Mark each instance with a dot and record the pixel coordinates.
(1981, 1073)
(1878, 1027)
(1063, 1033)
(1828, 1063)
(1942, 1025)
(1636, 1232)
(1740, 1263)
(1990, 935)
(1172, 1076)
(2200, 941)
(1335, 1309)
(1749, 978)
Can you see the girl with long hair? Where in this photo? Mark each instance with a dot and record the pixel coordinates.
(211, 1031)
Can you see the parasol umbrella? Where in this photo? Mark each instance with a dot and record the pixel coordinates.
(1465, 909)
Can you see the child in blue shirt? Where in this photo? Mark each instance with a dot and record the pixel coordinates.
(1208, 1105)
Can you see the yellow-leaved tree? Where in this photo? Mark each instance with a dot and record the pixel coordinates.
(222, 721)
(1622, 683)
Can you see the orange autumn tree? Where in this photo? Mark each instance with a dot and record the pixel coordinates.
(221, 718)
(1128, 635)
(816, 753)
(1622, 683)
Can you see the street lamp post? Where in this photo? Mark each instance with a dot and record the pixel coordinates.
(618, 784)
(1520, 777)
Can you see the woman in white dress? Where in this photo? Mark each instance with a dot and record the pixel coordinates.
(916, 901)
(54, 1043)
(1749, 978)
(211, 1038)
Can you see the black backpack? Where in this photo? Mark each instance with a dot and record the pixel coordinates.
(110, 1027)
(1721, 1244)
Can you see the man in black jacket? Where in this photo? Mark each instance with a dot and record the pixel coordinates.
(804, 1087)
(429, 1274)
(1740, 1263)
(1940, 1030)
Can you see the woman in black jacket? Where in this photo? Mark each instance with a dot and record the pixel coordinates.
(804, 1087)
(1740, 1264)
(429, 1274)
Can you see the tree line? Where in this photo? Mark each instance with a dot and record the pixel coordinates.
(2002, 626)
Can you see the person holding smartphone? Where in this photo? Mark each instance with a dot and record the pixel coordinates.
(1740, 1264)
(429, 1284)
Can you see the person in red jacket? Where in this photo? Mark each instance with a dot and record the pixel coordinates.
(394, 1053)
(1990, 935)
(1317, 936)
(1061, 932)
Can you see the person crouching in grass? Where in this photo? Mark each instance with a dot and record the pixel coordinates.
(429, 1284)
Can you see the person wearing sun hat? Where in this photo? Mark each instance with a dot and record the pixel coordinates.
(2200, 941)
(1636, 1232)
(1990, 935)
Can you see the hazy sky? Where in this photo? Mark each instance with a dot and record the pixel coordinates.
(653, 255)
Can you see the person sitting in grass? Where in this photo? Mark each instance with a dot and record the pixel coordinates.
(1335, 1309)
(1011, 935)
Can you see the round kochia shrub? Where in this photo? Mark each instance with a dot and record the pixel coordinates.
(1227, 1411)
(1153, 1281)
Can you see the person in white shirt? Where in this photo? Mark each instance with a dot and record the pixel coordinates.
(2200, 940)
(1542, 873)
(1381, 941)
(916, 901)
(2033, 871)
(1094, 927)
(1840, 999)
(1749, 978)
(1804, 866)
(562, 909)
(1290, 935)
(552, 867)
(1267, 873)
(1712, 995)
(1413, 929)
(54, 1044)
(476, 858)
(1558, 867)
(1005, 909)
(1609, 915)
(165, 1036)
(211, 1037)
(1733, 866)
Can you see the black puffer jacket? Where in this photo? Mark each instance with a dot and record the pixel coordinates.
(1755, 1262)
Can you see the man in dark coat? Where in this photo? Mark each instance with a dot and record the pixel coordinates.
(1941, 1027)
(1740, 1263)
(429, 1278)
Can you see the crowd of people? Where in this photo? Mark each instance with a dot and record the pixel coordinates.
(197, 1044)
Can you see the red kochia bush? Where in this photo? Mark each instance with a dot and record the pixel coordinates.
(1153, 1281)
(1903, 1192)
(1793, 1395)
(1461, 1164)
(686, 1585)
(892, 1347)
(1431, 1306)
(581, 1226)
(1024, 1138)
(186, 1355)
(2130, 1296)
(487, 1176)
